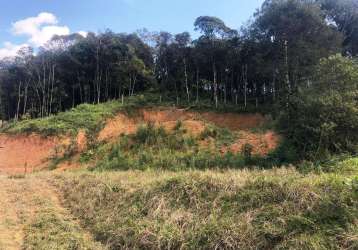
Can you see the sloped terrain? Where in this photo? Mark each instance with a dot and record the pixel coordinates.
(167, 178)
(25, 153)
(195, 123)
(21, 153)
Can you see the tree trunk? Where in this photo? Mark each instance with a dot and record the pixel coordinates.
(26, 96)
(186, 81)
(245, 84)
(288, 83)
(52, 86)
(197, 85)
(215, 86)
(18, 102)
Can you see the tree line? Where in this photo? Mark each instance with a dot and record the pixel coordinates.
(266, 62)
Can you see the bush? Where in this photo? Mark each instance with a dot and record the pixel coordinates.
(323, 119)
(154, 148)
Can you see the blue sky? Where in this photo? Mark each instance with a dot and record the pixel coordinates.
(22, 24)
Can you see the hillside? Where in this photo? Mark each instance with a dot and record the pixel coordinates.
(82, 134)
(134, 176)
(241, 135)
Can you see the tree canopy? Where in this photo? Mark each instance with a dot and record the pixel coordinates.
(264, 63)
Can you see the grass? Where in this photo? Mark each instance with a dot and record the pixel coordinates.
(92, 117)
(85, 116)
(222, 136)
(155, 148)
(49, 230)
(235, 209)
(156, 189)
(33, 218)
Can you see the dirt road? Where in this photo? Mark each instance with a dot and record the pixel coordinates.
(32, 217)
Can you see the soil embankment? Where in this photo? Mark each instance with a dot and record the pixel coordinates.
(28, 153)
(25, 153)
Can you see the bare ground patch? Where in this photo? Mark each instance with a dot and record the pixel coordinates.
(31, 217)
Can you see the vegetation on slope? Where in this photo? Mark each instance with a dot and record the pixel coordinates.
(152, 147)
(85, 116)
(272, 209)
(323, 120)
(92, 117)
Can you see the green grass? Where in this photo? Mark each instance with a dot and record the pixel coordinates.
(222, 136)
(92, 117)
(237, 209)
(155, 148)
(85, 116)
(49, 230)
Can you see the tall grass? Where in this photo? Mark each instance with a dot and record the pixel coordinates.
(85, 116)
(154, 148)
(269, 209)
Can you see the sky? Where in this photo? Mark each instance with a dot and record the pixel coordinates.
(33, 22)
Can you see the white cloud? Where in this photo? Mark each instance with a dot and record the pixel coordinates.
(10, 50)
(83, 33)
(40, 29)
(46, 33)
(31, 25)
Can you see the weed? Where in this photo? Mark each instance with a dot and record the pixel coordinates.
(275, 209)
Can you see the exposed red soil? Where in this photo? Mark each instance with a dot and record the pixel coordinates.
(167, 115)
(81, 141)
(168, 118)
(117, 126)
(234, 121)
(70, 165)
(28, 153)
(20, 153)
(262, 144)
(195, 123)
(231, 121)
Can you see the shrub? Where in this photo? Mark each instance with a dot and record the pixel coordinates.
(323, 119)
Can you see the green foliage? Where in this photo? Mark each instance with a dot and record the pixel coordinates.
(222, 136)
(323, 120)
(247, 150)
(154, 148)
(85, 116)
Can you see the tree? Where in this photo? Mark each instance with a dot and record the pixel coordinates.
(299, 35)
(183, 40)
(344, 14)
(212, 28)
(324, 117)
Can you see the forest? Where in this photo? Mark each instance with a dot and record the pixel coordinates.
(223, 138)
(295, 58)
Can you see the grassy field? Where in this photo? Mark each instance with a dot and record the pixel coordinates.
(33, 218)
(238, 209)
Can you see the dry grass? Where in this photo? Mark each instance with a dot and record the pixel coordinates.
(256, 209)
(31, 217)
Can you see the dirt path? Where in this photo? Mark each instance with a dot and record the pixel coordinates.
(31, 217)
